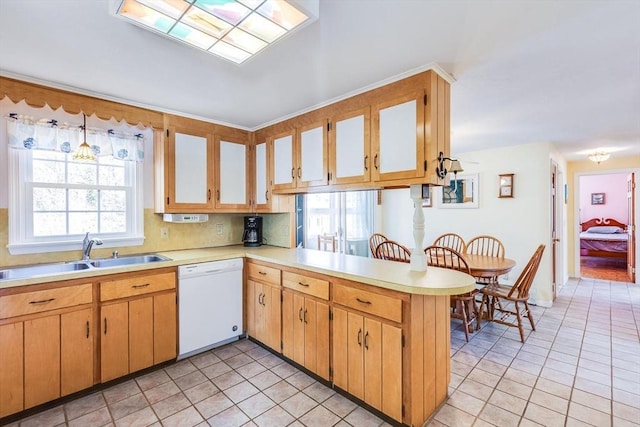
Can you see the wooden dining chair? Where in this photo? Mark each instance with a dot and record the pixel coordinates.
(374, 241)
(487, 246)
(463, 306)
(452, 241)
(393, 251)
(495, 297)
(327, 242)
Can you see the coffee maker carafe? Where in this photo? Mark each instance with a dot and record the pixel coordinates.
(252, 235)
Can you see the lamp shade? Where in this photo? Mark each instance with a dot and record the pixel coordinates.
(84, 151)
(455, 167)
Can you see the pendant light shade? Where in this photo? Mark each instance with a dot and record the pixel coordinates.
(84, 151)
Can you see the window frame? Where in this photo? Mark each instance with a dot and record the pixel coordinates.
(21, 239)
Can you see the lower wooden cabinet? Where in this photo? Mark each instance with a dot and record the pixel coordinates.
(46, 348)
(305, 322)
(368, 346)
(137, 323)
(264, 313)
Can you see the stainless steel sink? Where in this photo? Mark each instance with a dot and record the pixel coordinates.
(127, 260)
(27, 271)
(41, 270)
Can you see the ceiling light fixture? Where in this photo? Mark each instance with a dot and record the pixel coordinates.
(232, 29)
(84, 151)
(599, 156)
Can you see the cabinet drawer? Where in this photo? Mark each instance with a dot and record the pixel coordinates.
(139, 285)
(264, 273)
(39, 301)
(369, 302)
(308, 285)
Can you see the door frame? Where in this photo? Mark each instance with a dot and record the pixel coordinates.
(576, 213)
(558, 234)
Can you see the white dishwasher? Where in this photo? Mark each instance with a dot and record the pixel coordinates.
(209, 304)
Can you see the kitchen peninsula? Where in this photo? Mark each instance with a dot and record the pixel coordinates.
(385, 340)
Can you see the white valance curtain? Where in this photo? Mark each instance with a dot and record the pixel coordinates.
(25, 132)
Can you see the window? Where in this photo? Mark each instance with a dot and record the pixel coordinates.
(347, 215)
(54, 200)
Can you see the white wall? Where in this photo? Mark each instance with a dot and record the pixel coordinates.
(521, 223)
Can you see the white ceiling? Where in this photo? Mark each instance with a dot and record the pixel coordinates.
(564, 72)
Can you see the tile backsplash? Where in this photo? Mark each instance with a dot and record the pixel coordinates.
(276, 232)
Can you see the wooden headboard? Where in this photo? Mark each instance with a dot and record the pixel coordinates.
(594, 222)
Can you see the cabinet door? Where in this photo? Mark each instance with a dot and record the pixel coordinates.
(140, 333)
(373, 362)
(114, 343)
(11, 368)
(321, 344)
(299, 330)
(164, 327)
(398, 138)
(252, 308)
(350, 147)
(391, 349)
(232, 191)
(41, 360)
(272, 317)
(191, 171)
(340, 349)
(312, 155)
(289, 318)
(355, 330)
(284, 171)
(262, 177)
(76, 351)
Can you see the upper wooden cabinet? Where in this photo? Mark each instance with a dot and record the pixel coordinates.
(232, 190)
(262, 177)
(300, 157)
(350, 147)
(201, 167)
(386, 137)
(184, 164)
(398, 138)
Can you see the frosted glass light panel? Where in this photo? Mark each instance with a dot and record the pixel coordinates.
(232, 29)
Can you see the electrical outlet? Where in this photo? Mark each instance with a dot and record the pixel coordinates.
(219, 228)
(164, 233)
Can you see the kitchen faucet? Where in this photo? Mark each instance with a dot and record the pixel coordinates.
(87, 244)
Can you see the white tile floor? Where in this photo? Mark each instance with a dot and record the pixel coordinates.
(581, 367)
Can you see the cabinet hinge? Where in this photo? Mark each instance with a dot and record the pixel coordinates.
(402, 340)
(402, 411)
(328, 176)
(167, 200)
(330, 315)
(425, 165)
(281, 346)
(281, 297)
(167, 133)
(330, 372)
(425, 99)
(328, 127)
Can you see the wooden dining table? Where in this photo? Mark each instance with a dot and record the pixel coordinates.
(484, 266)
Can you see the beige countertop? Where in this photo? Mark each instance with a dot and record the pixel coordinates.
(385, 274)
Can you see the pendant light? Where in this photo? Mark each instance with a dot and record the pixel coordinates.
(84, 151)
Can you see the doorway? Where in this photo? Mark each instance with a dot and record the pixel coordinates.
(604, 221)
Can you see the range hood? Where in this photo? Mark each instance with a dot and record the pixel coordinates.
(185, 218)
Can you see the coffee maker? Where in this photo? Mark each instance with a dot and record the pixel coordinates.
(252, 235)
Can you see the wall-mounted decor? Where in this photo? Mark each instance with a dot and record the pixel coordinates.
(597, 198)
(426, 196)
(506, 185)
(462, 192)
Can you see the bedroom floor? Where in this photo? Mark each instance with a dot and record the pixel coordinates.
(614, 269)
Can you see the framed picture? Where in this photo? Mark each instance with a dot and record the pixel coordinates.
(461, 192)
(426, 196)
(597, 198)
(506, 185)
